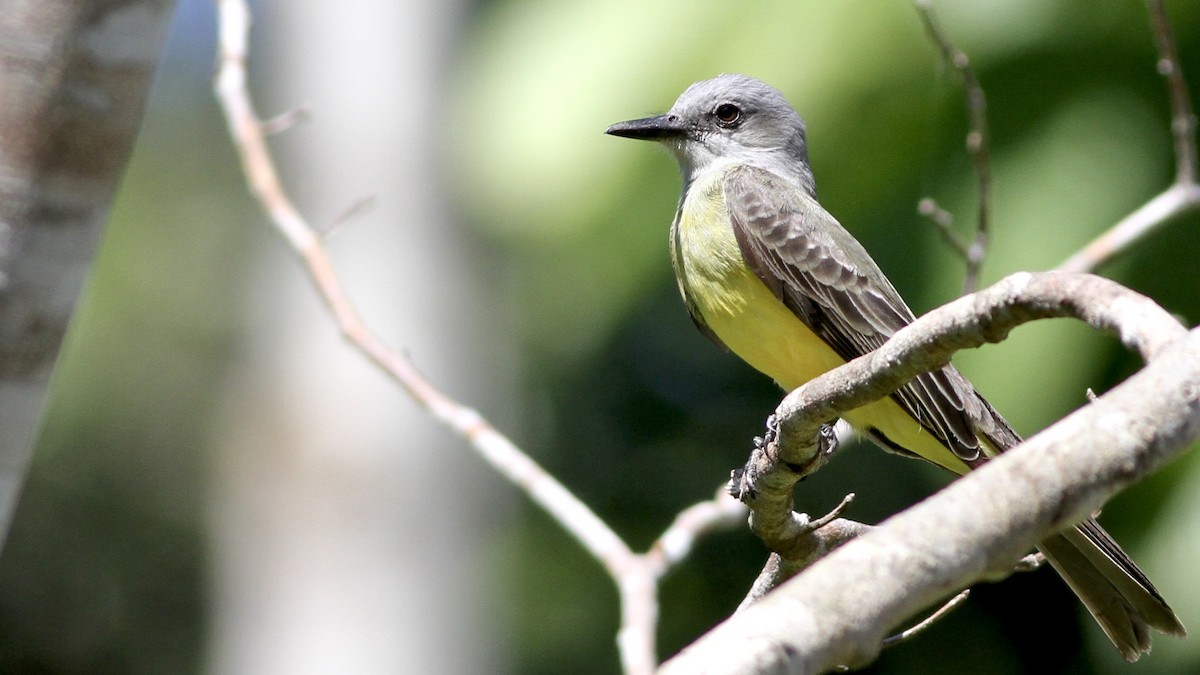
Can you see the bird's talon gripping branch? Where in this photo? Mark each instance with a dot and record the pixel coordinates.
(743, 480)
(766, 456)
(828, 442)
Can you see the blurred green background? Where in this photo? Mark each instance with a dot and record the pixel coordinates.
(619, 397)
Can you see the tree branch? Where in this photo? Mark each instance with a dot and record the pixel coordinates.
(971, 321)
(1184, 194)
(838, 611)
(978, 146)
(248, 133)
(802, 419)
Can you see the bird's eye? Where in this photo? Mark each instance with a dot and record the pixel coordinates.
(728, 115)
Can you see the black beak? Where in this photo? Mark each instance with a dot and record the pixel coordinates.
(649, 128)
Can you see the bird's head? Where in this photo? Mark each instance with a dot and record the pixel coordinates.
(729, 118)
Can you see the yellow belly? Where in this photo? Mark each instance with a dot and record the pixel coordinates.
(760, 329)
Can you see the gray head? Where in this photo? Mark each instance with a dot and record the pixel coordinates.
(730, 117)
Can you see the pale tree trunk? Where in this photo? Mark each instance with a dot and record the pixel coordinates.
(73, 81)
(342, 542)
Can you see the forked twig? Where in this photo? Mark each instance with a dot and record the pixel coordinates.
(974, 250)
(944, 220)
(1183, 196)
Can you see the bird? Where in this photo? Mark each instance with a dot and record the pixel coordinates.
(767, 273)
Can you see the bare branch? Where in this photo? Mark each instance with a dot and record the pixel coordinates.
(978, 146)
(1175, 201)
(971, 321)
(838, 611)
(353, 211)
(498, 450)
(1184, 195)
(675, 543)
(286, 120)
(636, 575)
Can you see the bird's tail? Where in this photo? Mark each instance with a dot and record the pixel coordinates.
(1114, 590)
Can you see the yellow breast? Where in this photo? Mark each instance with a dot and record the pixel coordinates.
(747, 317)
(733, 302)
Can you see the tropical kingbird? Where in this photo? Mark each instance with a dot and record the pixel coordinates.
(766, 272)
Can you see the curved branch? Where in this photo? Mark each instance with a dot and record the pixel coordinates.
(636, 574)
(1184, 195)
(801, 421)
(971, 321)
(838, 611)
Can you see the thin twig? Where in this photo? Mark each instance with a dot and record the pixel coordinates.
(908, 634)
(1175, 201)
(1184, 194)
(1183, 118)
(1030, 563)
(944, 220)
(834, 514)
(978, 146)
(353, 211)
(286, 120)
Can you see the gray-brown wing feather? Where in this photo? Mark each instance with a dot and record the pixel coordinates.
(829, 281)
(820, 272)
